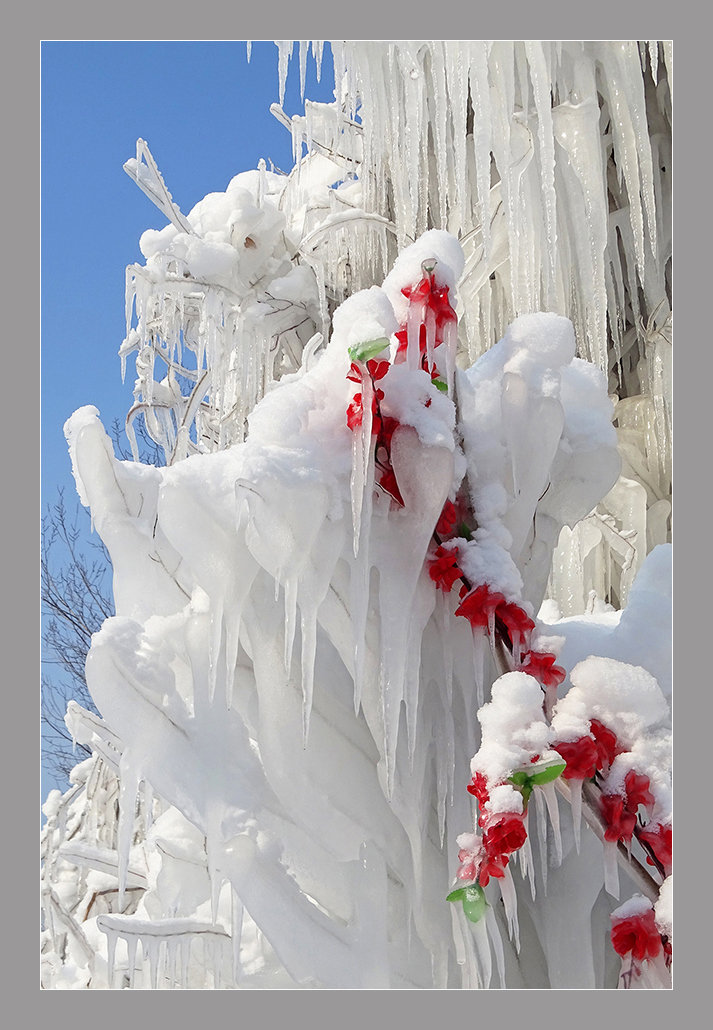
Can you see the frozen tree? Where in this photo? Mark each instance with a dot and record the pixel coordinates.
(385, 701)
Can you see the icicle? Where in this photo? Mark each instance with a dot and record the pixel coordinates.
(249, 48)
(541, 78)
(491, 628)
(611, 868)
(479, 653)
(154, 953)
(290, 588)
(497, 942)
(304, 50)
(413, 335)
(550, 795)
(430, 337)
(284, 47)
(450, 342)
(479, 936)
(309, 651)
(236, 933)
(148, 805)
(185, 948)
(575, 790)
(471, 966)
(525, 856)
(112, 937)
(653, 48)
(215, 960)
(317, 48)
(171, 957)
(541, 819)
(129, 785)
(216, 636)
(131, 944)
(509, 896)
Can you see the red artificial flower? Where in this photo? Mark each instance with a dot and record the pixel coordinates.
(660, 840)
(388, 483)
(377, 369)
(355, 373)
(435, 298)
(637, 792)
(541, 665)
(518, 622)
(477, 606)
(605, 739)
(491, 865)
(504, 834)
(447, 520)
(355, 411)
(386, 430)
(636, 934)
(581, 757)
(443, 568)
(620, 822)
(478, 787)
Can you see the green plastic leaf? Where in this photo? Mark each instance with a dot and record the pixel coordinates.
(536, 776)
(474, 901)
(456, 895)
(440, 385)
(464, 531)
(367, 351)
(549, 773)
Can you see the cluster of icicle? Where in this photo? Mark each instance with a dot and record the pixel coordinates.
(281, 684)
(551, 162)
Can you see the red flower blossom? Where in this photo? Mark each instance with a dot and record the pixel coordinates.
(518, 622)
(606, 742)
(387, 427)
(636, 934)
(581, 757)
(504, 834)
(659, 839)
(377, 369)
(436, 299)
(443, 568)
(478, 787)
(477, 606)
(620, 822)
(355, 411)
(541, 665)
(492, 865)
(387, 482)
(447, 521)
(637, 791)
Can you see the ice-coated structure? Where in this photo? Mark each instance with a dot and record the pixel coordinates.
(393, 370)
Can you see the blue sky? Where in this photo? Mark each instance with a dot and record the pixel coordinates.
(204, 111)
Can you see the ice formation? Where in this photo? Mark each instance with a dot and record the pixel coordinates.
(361, 399)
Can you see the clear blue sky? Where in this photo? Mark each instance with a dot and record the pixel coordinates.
(204, 111)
